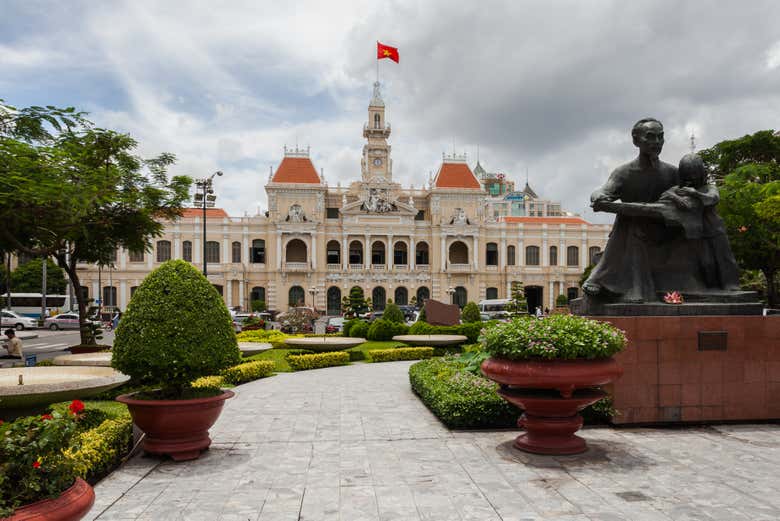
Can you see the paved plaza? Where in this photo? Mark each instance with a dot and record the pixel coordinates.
(354, 443)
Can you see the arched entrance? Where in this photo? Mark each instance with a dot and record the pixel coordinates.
(378, 298)
(401, 296)
(295, 251)
(423, 294)
(534, 297)
(460, 297)
(334, 301)
(296, 297)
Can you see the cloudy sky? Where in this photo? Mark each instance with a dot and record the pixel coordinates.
(551, 88)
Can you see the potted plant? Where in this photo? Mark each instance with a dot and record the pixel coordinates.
(37, 482)
(175, 330)
(561, 304)
(551, 369)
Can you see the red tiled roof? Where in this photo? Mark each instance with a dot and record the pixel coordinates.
(296, 170)
(198, 212)
(456, 175)
(548, 220)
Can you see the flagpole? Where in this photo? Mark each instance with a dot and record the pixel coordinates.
(377, 63)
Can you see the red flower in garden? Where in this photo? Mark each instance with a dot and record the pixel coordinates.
(76, 406)
(47, 417)
(36, 464)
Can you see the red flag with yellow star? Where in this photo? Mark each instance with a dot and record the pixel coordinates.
(385, 51)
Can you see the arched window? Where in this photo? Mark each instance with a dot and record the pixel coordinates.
(136, 256)
(236, 251)
(378, 298)
(295, 251)
(186, 251)
(334, 301)
(401, 296)
(593, 251)
(377, 121)
(510, 255)
(532, 255)
(572, 256)
(333, 252)
(296, 297)
(257, 253)
(378, 252)
(257, 293)
(400, 255)
(491, 293)
(423, 294)
(459, 253)
(109, 295)
(132, 290)
(460, 297)
(421, 254)
(163, 251)
(356, 252)
(553, 255)
(491, 254)
(212, 251)
(572, 293)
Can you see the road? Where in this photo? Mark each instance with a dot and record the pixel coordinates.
(53, 343)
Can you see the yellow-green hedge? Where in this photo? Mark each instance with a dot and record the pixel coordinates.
(401, 353)
(101, 448)
(318, 360)
(248, 371)
(210, 382)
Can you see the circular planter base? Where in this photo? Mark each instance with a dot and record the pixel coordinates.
(71, 505)
(176, 428)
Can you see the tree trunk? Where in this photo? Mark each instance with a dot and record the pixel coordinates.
(771, 289)
(87, 336)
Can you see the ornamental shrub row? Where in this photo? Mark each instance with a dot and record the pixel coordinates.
(318, 360)
(261, 335)
(248, 371)
(359, 330)
(400, 353)
(460, 399)
(382, 329)
(471, 330)
(100, 449)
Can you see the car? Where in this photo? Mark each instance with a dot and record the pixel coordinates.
(334, 325)
(65, 321)
(17, 321)
(375, 315)
(408, 311)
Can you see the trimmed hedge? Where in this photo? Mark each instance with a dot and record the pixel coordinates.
(318, 360)
(400, 353)
(208, 382)
(470, 330)
(359, 330)
(382, 329)
(100, 449)
(460, 399)
(248, 371)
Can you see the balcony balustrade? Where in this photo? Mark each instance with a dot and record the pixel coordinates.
(379, 267)
(400, 267)
(459, 267)
(356, 267)
(334, 267)
(296, 266)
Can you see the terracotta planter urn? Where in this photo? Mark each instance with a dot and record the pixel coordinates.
(552, 393)
(71, 505)
(176, 428)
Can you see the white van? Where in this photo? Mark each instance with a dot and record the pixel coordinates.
(494, 308)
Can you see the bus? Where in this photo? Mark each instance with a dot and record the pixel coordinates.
(29, 304)
(494, 308)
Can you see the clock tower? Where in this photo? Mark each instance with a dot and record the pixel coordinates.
(376, 162)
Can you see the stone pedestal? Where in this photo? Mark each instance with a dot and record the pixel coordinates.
(697, 369)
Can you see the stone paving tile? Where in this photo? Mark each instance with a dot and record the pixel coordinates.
(354, 443)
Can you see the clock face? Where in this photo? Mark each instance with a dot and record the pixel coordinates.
(377, 162)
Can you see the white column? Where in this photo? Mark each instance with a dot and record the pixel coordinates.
(123, 294)
(476, 253)
(122, 258)
(176, 247)
(97, 292)
(584, 253)
(313, 240)
(390, 253)
(552, 296)
(229, 291)
(241, 295)
(412, 251)
(197, 252)
(367, 252)
(545, 252)
(227, 253)
(344, 253)
(246, 255)
(278, 251)
(502, 254)
(520, 253)
(443, 254)
(562, 253)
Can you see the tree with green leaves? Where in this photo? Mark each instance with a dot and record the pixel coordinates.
(747, 170)
(77, 193)
(393, 313)
(470, 313)
(517, 305)
(26, 278)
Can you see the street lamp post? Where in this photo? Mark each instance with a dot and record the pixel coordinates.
(451, 292)
(313, 290)
(204, 197)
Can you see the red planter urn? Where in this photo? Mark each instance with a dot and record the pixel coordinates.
(552, 393)
(71, 505)
(177, 428)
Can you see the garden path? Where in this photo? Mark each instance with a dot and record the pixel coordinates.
(353, 443)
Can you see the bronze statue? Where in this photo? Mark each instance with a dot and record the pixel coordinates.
(667, 235)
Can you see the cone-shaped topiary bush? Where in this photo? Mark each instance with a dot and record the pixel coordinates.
(176, 329)
(470, 313)
(393, 313)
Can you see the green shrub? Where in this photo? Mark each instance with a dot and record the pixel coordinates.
(359, 330)
(248, 371)
(176, 329)
(318, 360)
(555, 337)
(45, 363)
(422, 317)
(401, 353)
(346, 330)
(421, 327)
(447, 350)
(100, 449)
(393, 313)
(459, 398)
(95, 412)
(356, 355)
(270, 336)
(209, 382)
(471, 330)
(561, 300)
(470, 313)
(382, 329)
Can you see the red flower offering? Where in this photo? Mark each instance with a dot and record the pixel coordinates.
(36, 464)
(76, 406)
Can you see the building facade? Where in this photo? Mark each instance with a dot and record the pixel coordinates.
(463, 236)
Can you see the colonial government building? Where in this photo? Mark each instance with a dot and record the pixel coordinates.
(466, 235)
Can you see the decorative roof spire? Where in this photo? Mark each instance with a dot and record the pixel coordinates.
(376, 99)
(693, 142)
